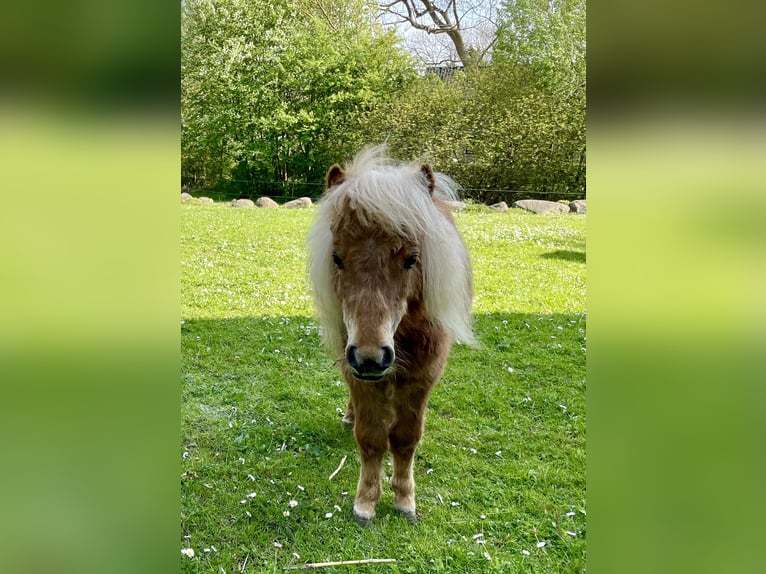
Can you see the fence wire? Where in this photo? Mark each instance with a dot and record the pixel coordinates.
(280, 191)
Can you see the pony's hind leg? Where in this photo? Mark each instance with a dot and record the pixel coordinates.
(348, 418)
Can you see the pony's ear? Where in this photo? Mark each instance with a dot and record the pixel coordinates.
(429, 173)
(335, 176)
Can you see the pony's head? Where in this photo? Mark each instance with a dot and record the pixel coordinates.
(385, 245)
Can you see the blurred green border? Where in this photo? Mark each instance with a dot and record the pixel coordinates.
(676, 276)
(89, 287)
(89, 343)
(89, 304)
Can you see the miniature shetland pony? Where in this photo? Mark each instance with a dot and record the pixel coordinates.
(392, 287)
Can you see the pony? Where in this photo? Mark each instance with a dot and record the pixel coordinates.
(392, 288)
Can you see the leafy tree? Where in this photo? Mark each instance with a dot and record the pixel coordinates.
(516, 123)
(490, 131)
(529, 105)
(547, 37)
(278, 90)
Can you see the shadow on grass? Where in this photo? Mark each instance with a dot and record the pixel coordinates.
(578, 256)
(274, 370)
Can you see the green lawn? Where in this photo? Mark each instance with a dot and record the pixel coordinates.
(501, 468)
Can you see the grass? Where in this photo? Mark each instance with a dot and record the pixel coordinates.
(501, 468)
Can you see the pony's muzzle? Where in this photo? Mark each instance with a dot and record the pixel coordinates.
(369, 363)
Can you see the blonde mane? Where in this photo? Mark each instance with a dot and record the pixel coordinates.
(394, 196)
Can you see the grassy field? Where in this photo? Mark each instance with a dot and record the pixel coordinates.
(500, 474)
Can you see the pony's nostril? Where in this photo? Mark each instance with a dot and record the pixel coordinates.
(351, 357)
(388, 357)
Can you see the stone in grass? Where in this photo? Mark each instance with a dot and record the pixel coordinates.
(243, 203)
(205, 200)
(541, 206)
(266, 202)
(186, 196)
(300, 203)
(456, 206)
(577, 206)
(500, 206)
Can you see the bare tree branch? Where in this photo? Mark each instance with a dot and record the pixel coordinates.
(470, 26)
(326, 17)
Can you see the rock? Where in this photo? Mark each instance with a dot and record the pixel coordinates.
(205, 200)
(501, 206)
(540, 206)
(301, 202)
(243, 203)
(577, 206)
(456, 205)
(185, 196)
(266, 202)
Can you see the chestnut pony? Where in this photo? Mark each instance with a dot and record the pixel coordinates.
(392, 287)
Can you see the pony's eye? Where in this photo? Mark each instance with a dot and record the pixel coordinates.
(410, 261)
(337, 260)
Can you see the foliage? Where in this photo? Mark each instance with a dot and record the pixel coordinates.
(548, 38)
(427, 122)
(492, 129)
(527, 138)
(276, 91)
(501, 468)
(515, 124)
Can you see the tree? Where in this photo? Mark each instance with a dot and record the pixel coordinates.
(515, 123)
(548, 38)
(276, 90)
(542, 45)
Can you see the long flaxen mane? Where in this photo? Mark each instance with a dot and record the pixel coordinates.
(394, 197)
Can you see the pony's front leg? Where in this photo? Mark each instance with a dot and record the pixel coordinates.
(372, 442)
(404, 438)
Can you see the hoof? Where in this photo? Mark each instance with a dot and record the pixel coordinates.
(363, 517)
(410, 515)
(347, 422)
(362, 520)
